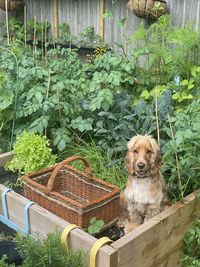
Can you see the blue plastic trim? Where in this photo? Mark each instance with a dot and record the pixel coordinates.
(4, 202)
(4, 217)
(26, 216)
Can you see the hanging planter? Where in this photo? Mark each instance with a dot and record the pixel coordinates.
(13, 5)
(149, 9)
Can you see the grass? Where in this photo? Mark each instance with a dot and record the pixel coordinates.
(101, 164)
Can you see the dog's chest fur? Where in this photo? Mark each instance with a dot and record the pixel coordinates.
(144, 191)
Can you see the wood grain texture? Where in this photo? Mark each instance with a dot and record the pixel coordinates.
(5, 157)
(158, 241)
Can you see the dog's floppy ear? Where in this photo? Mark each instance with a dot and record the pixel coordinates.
(156, 158)
(129, 164)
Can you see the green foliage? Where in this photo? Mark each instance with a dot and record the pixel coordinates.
(47, 253)
(3, 262)
(31, 153)
(17, 30)
(95, 226)
(191, 249)
(45, 95)
(186, 127)
(114, 127)
(168, 52)
(101, 163)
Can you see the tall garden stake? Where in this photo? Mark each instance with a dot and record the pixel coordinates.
(7, 26)
(157, 118)
(42, 37)
(177, 161)
(25, 26)
(34, 36)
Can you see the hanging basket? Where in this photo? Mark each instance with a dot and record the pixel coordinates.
(152, 9)
(13, 5)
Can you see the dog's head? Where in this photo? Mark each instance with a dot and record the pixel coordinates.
(143, 156)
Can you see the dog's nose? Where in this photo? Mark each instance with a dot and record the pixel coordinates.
(141, 165)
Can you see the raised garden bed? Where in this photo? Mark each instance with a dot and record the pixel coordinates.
(157, 242)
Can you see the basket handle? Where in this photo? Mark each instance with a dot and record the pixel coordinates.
(62, 164)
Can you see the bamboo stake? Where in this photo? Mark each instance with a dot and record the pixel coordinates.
(7, 25)
(101, 29)
(42, 37)
(25, 26)
(45, 43)
(34, 36)
(177, 161)
(157, 118)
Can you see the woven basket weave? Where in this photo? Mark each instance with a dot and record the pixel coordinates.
(73, 195)
(147, 8)
(13, 5)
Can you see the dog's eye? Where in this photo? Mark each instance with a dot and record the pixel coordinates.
(135, 151)
(149, 151)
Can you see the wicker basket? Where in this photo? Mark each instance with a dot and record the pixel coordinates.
(13, 5)
(73, 195)
(152, 9)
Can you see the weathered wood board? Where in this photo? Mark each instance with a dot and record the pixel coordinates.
(158, 242)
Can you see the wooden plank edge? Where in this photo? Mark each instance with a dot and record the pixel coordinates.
(156, 220)
(5, 157)
(144, 241)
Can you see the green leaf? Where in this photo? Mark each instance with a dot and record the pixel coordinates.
(176, 96)
(184, 82)
(61, 145)
(145, 94)
(39, 97)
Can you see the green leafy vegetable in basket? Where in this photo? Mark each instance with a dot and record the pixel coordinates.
(31, 153)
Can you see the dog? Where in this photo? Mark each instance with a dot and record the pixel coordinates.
(145, 194)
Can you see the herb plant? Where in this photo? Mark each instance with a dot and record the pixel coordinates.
(47, 253)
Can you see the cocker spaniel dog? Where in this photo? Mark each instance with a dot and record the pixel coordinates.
(145, 194)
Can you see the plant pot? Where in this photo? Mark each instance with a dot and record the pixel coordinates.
(13, 5)
(8, 248)
(149, 9)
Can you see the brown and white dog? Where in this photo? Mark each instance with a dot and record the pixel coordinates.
(145, 194)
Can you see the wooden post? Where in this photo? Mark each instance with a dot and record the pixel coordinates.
(55, 20)
(101, 30)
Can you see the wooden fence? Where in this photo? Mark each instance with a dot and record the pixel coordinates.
(81, 14)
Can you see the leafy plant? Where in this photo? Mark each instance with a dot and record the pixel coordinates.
(47, 253)
(102, 165)
(95, 226)
(3, 262)
(167, 53)
(186, 142)
(191, 249)
(31, 153)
